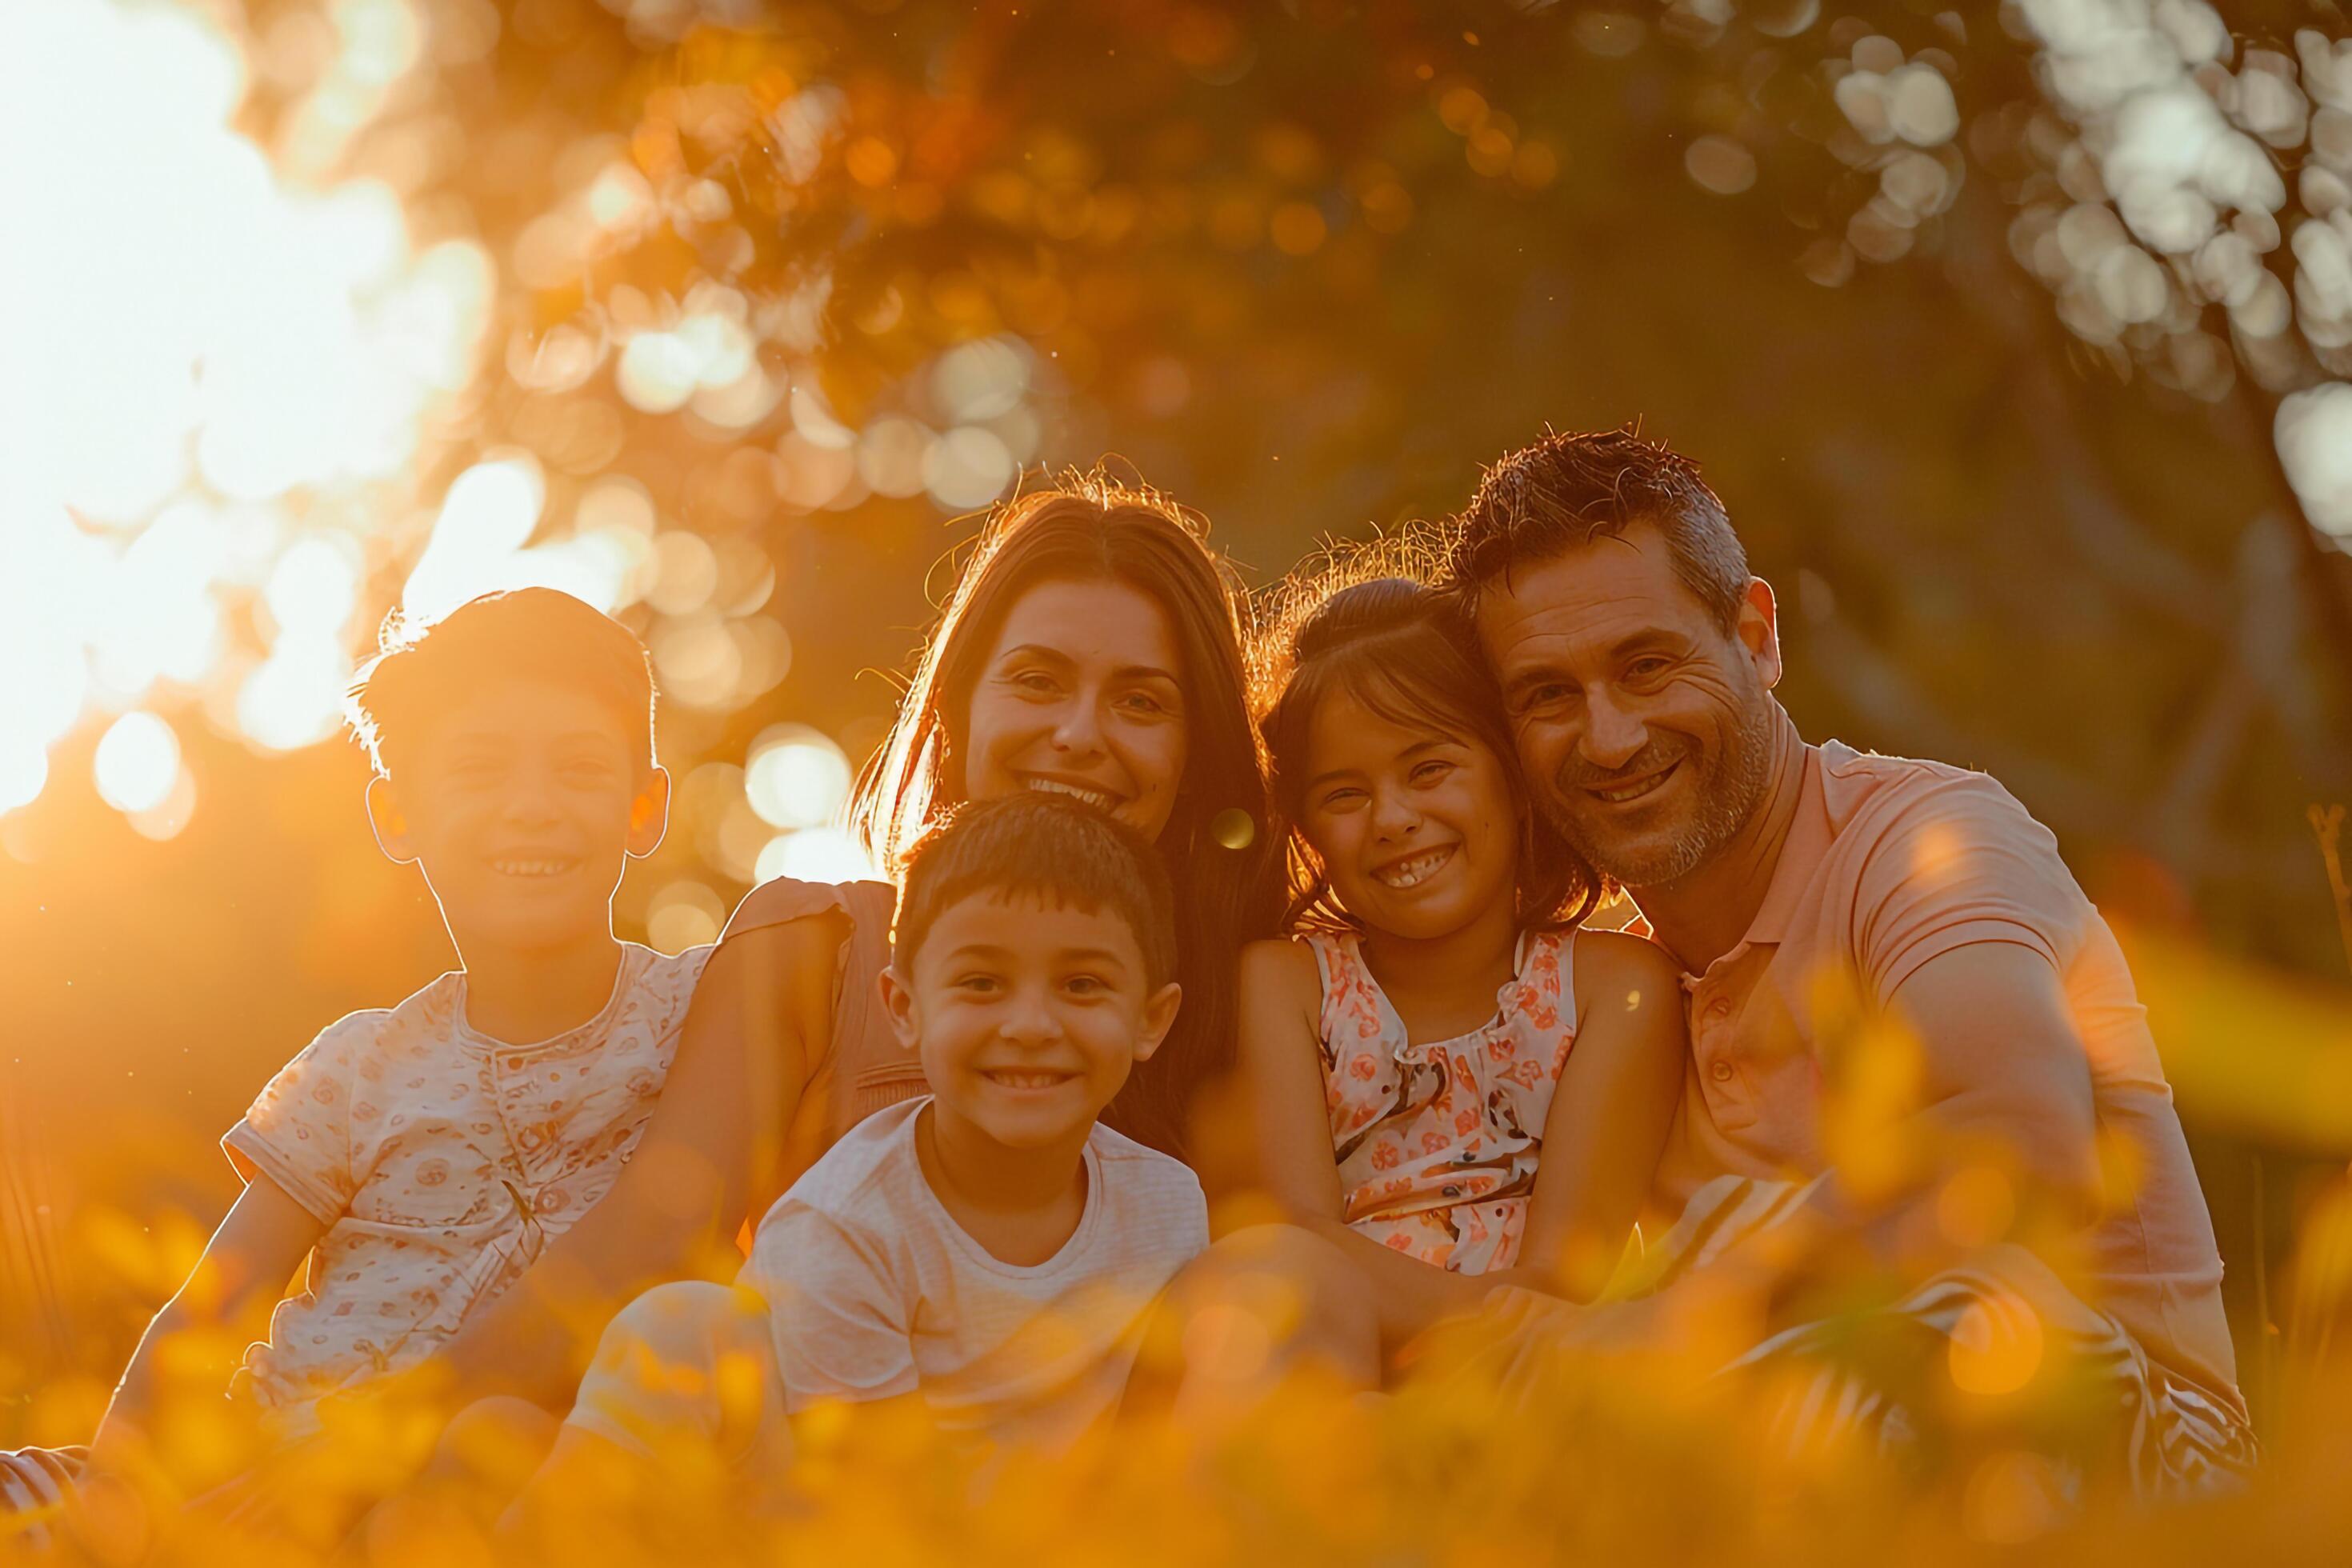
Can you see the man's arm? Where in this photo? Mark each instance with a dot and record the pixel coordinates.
(197, 1341)
(2002, 1082)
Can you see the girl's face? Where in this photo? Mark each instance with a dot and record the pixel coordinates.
(1082, 695)
(1417, 830)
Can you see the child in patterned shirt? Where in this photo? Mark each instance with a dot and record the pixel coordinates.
(421, 1155)
(1452, 1084)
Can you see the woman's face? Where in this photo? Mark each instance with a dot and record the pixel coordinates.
(1082, 695)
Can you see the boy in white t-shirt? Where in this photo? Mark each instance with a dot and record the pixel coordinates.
(421, 1155)
(987, 1252)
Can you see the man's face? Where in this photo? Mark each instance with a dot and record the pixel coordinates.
(1644, 728)
(1028, 1016)
(522, 805)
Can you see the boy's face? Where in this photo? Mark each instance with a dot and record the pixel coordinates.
(1028, 1017)
(521, 805)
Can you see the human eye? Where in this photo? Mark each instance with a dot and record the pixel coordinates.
(977, 983)
(1648, 667)
(1536, 696)
(1033, 680)
(1342, 797)
(1430, 770)
(1146, 704)
(1085, 985)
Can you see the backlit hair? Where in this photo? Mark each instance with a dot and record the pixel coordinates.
(423, 670)
(1220, 854)
(1569, 488)
(1363, 622)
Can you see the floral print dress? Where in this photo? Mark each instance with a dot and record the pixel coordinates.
(1437, 1142)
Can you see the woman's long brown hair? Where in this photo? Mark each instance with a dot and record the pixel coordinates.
(1220, 846)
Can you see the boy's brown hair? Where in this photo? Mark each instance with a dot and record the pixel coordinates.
(1061, 852)
(529, 633)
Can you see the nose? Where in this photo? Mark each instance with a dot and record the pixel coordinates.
(1394, 815)
(1029, 1018)
(1077, 728)
(529, 797)
(1613, 734)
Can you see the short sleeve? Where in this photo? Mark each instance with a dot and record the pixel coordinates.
(842, 1327)
(298, 1132)
(1962, 862)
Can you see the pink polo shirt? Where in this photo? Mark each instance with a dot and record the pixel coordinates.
(1889, 863)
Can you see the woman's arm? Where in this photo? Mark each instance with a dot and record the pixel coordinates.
(1281, 1060)
(1609, 1115)
(762, 1014)
(261, 1240)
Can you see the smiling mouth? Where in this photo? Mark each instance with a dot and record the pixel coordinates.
(534, 869)
(1004, 1080)
(1623, 794)
(1413, 873)
(1101, 800)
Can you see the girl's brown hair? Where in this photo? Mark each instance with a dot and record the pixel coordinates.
(1219, 848)
(1363, 622)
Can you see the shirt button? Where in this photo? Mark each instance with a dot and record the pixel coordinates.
(1452, 1192)
(1720, 1072)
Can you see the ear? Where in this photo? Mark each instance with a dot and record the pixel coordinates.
(899, 1005)
(1760, 631)
(649, 814)
(1158, 1017)
(390, 821)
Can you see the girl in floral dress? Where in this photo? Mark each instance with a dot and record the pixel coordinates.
(1453, 1083)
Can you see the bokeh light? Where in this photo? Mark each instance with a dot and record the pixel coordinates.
(136, 762)
(817, 855)
(2314, 443)
(797, 778)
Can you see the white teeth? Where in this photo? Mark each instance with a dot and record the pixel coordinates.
(1028, 1079)
(1094, 797)
(531, 868)
(1635, 791)
(1419, 869)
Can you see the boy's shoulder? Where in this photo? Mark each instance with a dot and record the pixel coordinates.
(858, 1181)
(665, 976)
(423, 1013)
(1127, 1163)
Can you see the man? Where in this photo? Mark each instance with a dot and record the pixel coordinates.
(1897, 991)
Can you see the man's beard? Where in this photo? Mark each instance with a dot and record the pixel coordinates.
(1727, 796)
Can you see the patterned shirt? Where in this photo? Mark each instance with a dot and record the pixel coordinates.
(1437, 1142)
(440, 1161)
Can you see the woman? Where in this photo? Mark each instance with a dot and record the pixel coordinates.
(1091, 646)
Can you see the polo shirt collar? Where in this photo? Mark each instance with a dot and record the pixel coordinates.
(1801, 853)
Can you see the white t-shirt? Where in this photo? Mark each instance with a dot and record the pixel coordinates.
(874, 1290)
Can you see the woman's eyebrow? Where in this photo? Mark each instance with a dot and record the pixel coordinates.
(1145, 672)
(1035, 650)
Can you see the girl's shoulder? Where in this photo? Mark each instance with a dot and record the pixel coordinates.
(1622, 952)
(1611, 963)
(1282, 966)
